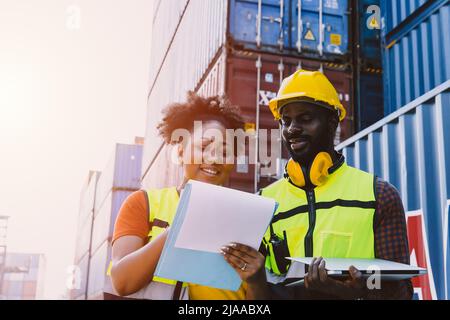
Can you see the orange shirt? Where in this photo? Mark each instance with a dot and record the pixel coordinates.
(133, 220)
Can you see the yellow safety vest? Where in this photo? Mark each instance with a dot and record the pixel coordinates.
(162, 204)
(334, 220)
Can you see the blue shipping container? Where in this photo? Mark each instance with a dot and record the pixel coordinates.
(370, 99)
(416, 49)
(411, 149)
(369, 29)
(291, 26)
(123, 172)
(397, 11)
(245, 28)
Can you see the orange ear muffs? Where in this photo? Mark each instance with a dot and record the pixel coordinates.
(319, 168)
(318, 172)
(295, 173)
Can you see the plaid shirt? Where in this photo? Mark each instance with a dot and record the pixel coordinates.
(391, 243)
(391, 240)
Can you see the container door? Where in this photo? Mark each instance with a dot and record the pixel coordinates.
(258, 23)
(319, 27)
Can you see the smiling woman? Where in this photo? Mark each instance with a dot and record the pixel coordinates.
(144, 220)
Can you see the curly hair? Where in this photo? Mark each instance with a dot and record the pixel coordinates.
(183, 115)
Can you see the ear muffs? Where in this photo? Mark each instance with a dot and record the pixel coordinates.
(294, 173)
(319, 168)
(318, 173)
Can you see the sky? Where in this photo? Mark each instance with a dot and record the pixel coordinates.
(73, 82)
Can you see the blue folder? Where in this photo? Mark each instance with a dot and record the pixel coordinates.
(194, 266)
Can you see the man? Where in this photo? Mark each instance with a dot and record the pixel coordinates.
(326, 208)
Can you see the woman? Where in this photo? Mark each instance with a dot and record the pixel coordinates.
(144, 220)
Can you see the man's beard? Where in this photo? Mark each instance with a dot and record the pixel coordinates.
(322, 143)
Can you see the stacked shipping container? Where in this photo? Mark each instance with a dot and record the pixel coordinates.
(411, 149)
(416, 49)
(244, 49)
(119, 179)
(84, 233)
(367, 73)
(24, 277)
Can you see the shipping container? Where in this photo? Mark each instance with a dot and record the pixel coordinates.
(369, 98)
(99, 282)
(367, 32)
(164, 29)
(85, 216)
(396, 12)
(80, 278)
(291, 27)
(416, 49)
(123, 172)
(105, 218)
(83, 240)
(98, 268)
(410, 148)
(250, 80)
(24, 276)
(87, 198)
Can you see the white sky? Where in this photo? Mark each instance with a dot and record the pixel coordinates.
(66, 96)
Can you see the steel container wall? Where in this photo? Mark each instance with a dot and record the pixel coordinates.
(87, 197)
(369, 99)
(86, 214)
(411, 149)
(166, 18)
(83, 243)
(273, 34)
(335, 25)
(26, 285)
(103, 225)
(82, 271)
(416, 47)
(123, 172)
(369, 32)
(98, 266)
(397, 11)
(278, 31)
(202, 30)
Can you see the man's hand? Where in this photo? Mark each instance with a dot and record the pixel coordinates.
(317, 279)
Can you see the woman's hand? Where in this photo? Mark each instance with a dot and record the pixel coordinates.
(248, 262)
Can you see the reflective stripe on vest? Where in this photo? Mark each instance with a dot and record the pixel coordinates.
(334, 220)
(163, 205)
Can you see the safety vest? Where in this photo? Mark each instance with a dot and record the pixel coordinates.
(162, 204)
(334, 220)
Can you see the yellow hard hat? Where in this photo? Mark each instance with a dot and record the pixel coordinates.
(306, 85)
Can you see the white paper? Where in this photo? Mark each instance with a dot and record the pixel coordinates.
(217, 216)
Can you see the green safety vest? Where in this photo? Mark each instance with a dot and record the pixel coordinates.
(162, 204)
(334, 220)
